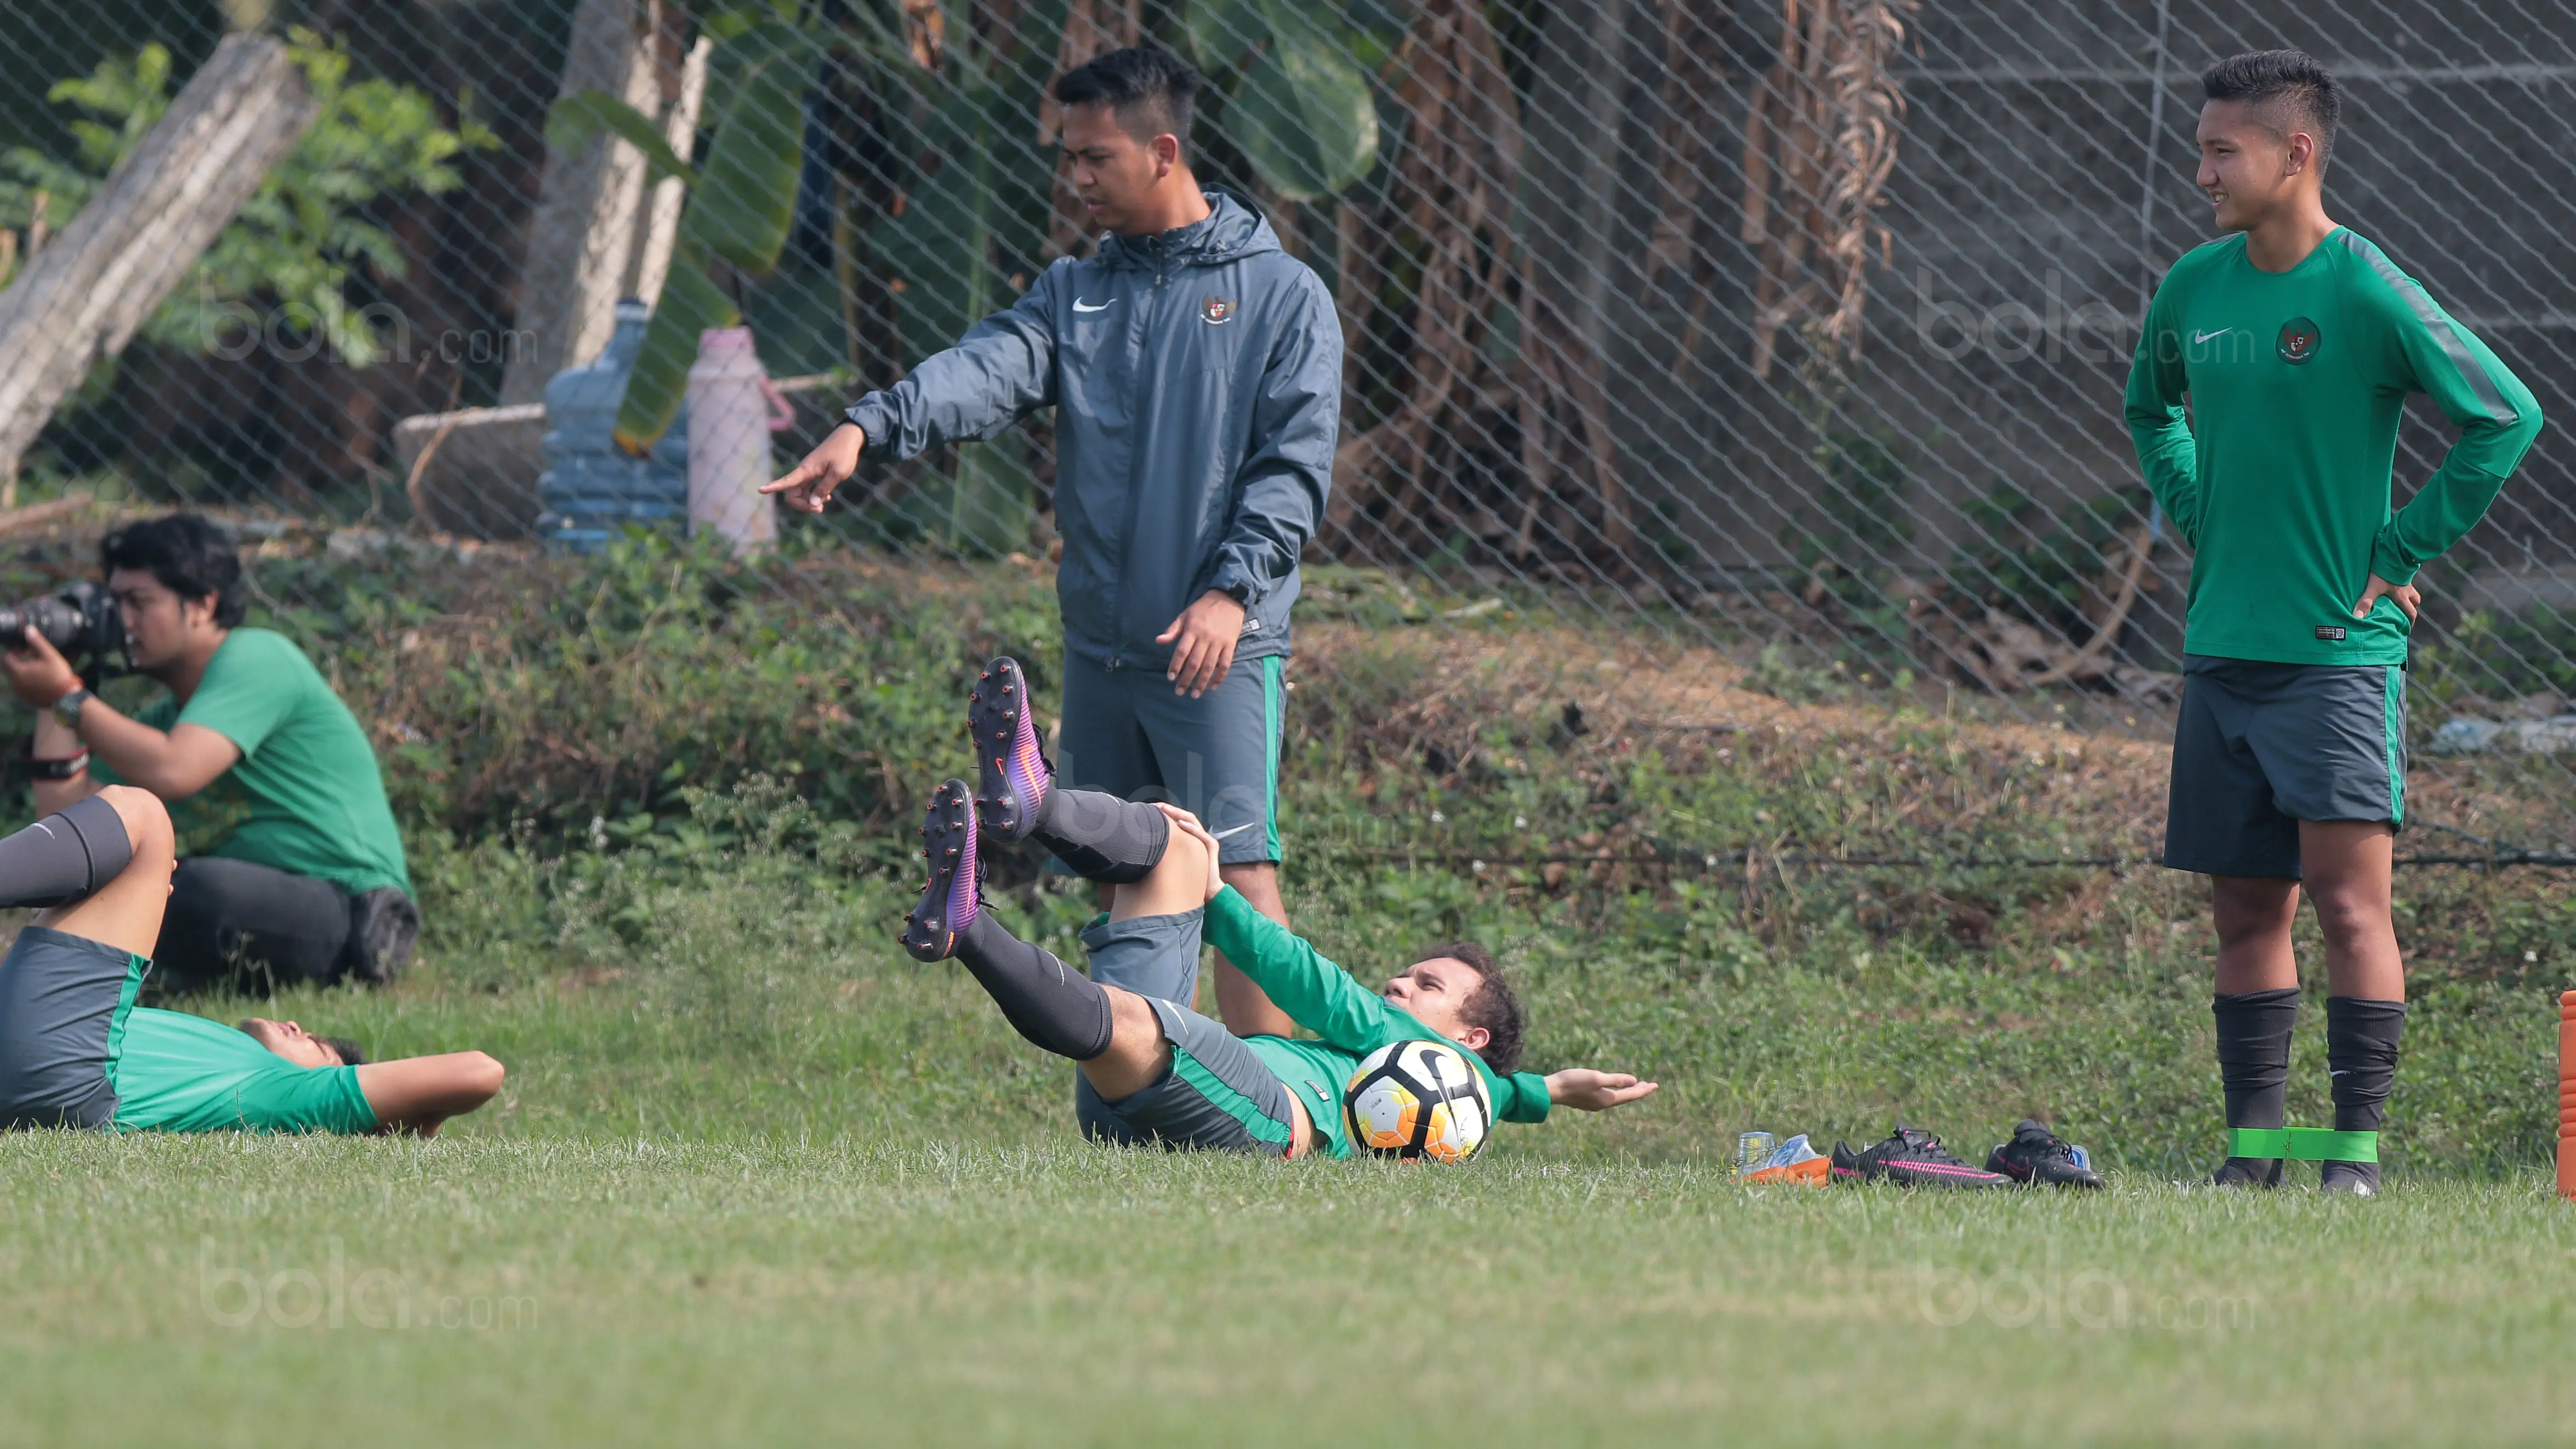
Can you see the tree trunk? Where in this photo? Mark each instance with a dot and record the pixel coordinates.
(658, 229)
(95, 283)
(582, 238)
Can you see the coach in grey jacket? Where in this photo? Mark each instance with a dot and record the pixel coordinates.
(1195, 370)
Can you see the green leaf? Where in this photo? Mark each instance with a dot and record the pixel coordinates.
(1303, 114)
(746, 198)
(573, 120)
(1220, 32)
(691, 303)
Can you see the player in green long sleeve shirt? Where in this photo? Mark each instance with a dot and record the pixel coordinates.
(2296, 342)
(1151, 1070)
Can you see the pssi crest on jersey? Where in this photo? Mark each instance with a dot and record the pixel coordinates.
(1418, 1099)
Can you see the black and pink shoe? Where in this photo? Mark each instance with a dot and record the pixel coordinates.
(950, 898)
(1016, 775)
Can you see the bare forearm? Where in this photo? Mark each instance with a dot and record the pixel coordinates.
(55, 741)
(416, 1094)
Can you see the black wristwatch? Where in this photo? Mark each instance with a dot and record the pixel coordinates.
(68, 708)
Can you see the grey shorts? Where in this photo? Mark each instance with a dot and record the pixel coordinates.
(62, 998)
(2261, 746)
(1125, 732)
(1217, 1095)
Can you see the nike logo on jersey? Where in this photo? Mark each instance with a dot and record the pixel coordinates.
(1080, 305)
(2197, 337)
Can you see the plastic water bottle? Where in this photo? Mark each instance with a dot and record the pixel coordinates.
(590, 489)
(733, 408)
(1753, 1152)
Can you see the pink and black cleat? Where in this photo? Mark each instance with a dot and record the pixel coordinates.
(1016, 775)
(1913, 1158)
(949, 899)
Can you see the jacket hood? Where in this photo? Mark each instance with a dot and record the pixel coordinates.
(1233, 229)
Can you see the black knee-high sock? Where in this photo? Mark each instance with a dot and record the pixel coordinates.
(64, 856)
(1050, 1003)
(2254, 1054)
(1102, 837)
(2361, 1052)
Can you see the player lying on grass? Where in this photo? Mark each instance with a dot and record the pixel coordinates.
(1151, 1069)
(75, 1051)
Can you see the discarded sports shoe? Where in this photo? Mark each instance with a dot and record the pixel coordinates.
(2036, 1157)
(1792, 1161)
(1914, 1158)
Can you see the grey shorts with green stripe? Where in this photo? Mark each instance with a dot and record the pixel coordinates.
(2260, 746)
(1218, 1095)
(1127, 733)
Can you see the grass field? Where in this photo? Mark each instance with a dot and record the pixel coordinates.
(900, 1292)
(758, 1178)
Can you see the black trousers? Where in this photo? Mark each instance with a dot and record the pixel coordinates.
(249, 927)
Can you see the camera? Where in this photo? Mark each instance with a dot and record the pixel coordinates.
(82, 621)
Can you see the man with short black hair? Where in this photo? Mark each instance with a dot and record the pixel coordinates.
(299, 874)
(1195, 370)
(2296, 341)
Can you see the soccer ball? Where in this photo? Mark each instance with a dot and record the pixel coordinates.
(1418, 1099)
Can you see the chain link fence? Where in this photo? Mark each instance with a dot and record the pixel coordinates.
(1695, 351)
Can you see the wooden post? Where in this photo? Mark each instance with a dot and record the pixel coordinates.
(81, 298)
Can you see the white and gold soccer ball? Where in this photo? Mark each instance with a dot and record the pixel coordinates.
(1418, 1099)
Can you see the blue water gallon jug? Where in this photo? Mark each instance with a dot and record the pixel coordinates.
(591, 489)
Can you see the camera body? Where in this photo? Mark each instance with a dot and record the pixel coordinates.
(82, 621)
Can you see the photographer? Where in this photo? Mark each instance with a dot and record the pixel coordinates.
(301, 875)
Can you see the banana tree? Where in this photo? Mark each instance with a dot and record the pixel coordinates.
(740, 204)
(1300, 106)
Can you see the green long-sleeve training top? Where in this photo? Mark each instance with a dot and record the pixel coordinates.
(1352, 1020)
(2280, 479)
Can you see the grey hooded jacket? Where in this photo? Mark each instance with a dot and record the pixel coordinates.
(1197, 380)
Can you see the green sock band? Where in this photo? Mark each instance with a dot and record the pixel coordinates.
(2302, 1144)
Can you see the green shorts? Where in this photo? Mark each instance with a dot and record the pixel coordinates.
(2260, 746)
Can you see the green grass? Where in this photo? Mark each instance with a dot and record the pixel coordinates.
(218, 1291)
(759, 1178)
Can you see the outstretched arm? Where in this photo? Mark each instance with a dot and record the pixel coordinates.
(1586, 1090)
(416, 1094)
(1002, 368)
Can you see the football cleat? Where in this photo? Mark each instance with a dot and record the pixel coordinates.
(2348, 1179)
(950, 898)
(2247, 1172)
(1913, 1158)
(1014, 771)
(2035, 1156)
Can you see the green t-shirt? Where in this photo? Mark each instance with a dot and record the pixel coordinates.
(1352, 1020)
(2280, 479)
(306, 796)
(173, 1072)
